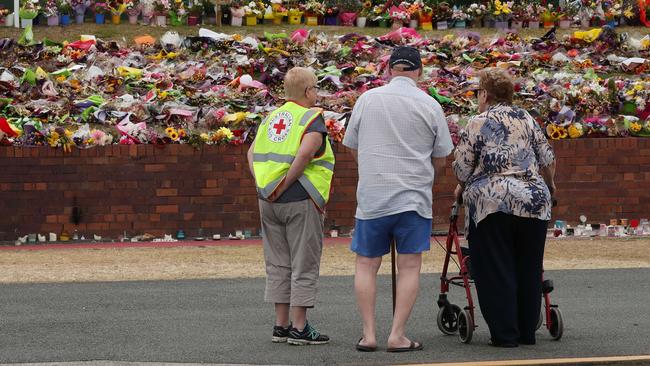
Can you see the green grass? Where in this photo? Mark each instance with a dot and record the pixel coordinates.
(126, 32)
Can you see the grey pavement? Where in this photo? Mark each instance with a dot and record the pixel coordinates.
(606, 313)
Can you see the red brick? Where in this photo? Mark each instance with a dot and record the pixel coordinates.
(211, 191)
(150, 168)
(166, 192)
(167, 209)
(117, 209)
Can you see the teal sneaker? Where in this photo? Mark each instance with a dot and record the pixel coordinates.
(309, 335)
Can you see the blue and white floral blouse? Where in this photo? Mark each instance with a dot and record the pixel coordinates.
(498, 158)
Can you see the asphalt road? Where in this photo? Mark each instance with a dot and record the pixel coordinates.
(606, 313)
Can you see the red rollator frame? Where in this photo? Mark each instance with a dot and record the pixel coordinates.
(451, 318)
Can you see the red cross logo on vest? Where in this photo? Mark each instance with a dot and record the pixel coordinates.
(279, 127)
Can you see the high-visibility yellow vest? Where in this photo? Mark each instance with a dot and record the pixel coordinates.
(276, 145)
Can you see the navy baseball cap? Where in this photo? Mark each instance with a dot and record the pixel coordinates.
(407, 56)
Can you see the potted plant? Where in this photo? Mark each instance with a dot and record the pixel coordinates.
(177, 13)
(414, 13)
(313, 10)
(196, 12)
(161, 9)
(548, 16)
(366, 9)
(116, 8)
(501, 12)
(459, 17)
(399, 15)
(65, 9)
(476, 13)
(100, 9)
(132, 10)
(29, 10)
(348, 10)
(51, 12)
(252, 11)
(533, 13)
(443, 14)
(331, 12)
(278, 12)
(426, 17)
(518, 16)
(294, 15)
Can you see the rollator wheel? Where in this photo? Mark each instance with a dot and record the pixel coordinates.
(540, 320)
(448, 319)
(465, 326)
(557, 325)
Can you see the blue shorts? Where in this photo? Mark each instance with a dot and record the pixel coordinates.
(411, 231)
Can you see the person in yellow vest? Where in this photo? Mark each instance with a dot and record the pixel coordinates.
(292, 162)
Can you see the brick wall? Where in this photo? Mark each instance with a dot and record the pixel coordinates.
(143, 188)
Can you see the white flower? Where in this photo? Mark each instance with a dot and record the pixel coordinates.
(251, 4)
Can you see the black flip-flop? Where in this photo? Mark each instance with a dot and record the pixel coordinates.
(362, 348)
(411, 347)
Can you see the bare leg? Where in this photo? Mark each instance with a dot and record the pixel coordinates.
(299, 315)
(365, 286)
(282, 315)
(408, 285)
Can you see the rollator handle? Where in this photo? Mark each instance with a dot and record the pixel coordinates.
(454, 211)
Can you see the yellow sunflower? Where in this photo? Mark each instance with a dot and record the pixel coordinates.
(635, 127)
(174, 136)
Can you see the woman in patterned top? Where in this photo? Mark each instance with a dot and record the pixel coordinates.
(505, 167)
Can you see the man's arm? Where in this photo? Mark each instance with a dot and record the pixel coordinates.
(439, 165)
(249, 155)
(310, 144)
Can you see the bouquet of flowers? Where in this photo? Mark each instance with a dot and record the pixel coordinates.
(502, 10)
(379, 13)
(366, 9)
(162, 6)
(177, 12)
(548, 14)
(399, 14)
(29, 9)
(613, 9)
(331, 8)
(459, 14)
(51, 8)
(132, 7)
(65, 8)
(637, 127)
(116, 7)
(349, 6)
(101, 7)
(79, 6)
(313, 7)
(253, 9)
(533, 11)
(59, 137)
(476, 11)
(443, 11)
(3, 14)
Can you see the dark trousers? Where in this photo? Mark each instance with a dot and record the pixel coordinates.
(507, 252)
